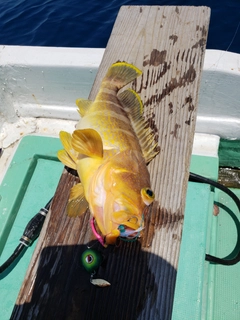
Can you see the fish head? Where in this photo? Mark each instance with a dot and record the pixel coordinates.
(118, 195)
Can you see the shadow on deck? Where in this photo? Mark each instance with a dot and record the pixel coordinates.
(133, 285)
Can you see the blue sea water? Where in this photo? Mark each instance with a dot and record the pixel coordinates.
(83, 23)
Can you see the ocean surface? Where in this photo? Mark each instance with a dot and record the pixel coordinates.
(84, 23)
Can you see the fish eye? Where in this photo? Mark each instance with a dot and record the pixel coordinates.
(147, 196)
(149, 192)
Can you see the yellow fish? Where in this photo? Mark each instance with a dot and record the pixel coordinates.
(110, 149)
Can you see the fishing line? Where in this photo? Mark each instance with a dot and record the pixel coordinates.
(233, 36)
(224, 52)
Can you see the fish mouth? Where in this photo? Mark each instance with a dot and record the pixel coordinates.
(129, 234)
(123, 232)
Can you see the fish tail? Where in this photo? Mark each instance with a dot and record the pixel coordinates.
(121, 73)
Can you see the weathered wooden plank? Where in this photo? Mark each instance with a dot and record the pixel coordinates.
(168, 44)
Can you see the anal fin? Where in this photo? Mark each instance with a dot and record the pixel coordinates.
(77, 203)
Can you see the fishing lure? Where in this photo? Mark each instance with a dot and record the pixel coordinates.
(91, 261)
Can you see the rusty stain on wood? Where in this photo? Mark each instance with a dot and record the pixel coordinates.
(167, 44)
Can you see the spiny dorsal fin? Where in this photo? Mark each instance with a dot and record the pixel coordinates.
(83, 105)
(77, 203)
(133, 105)
(88, 142)
(121, 73)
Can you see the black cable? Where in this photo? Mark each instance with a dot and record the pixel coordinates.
(208, 257)
(30, 234)
(20, 248)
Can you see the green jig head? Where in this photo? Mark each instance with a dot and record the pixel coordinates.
(91, 260)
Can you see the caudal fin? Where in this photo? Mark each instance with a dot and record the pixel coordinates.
(121, 73)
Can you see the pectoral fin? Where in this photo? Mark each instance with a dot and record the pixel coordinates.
(88, 142)
(83, 105)
(77, 203)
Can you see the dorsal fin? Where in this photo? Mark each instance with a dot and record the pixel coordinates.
(133, 105)
(83, 105)
(121, 73)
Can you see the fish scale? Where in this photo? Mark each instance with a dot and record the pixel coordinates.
(107, 116)
(115, 129)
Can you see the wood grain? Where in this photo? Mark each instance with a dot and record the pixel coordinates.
(168, 45)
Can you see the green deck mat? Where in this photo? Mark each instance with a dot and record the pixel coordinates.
(224, 281)
(204, 290)
(190, 291)
(28, 185)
